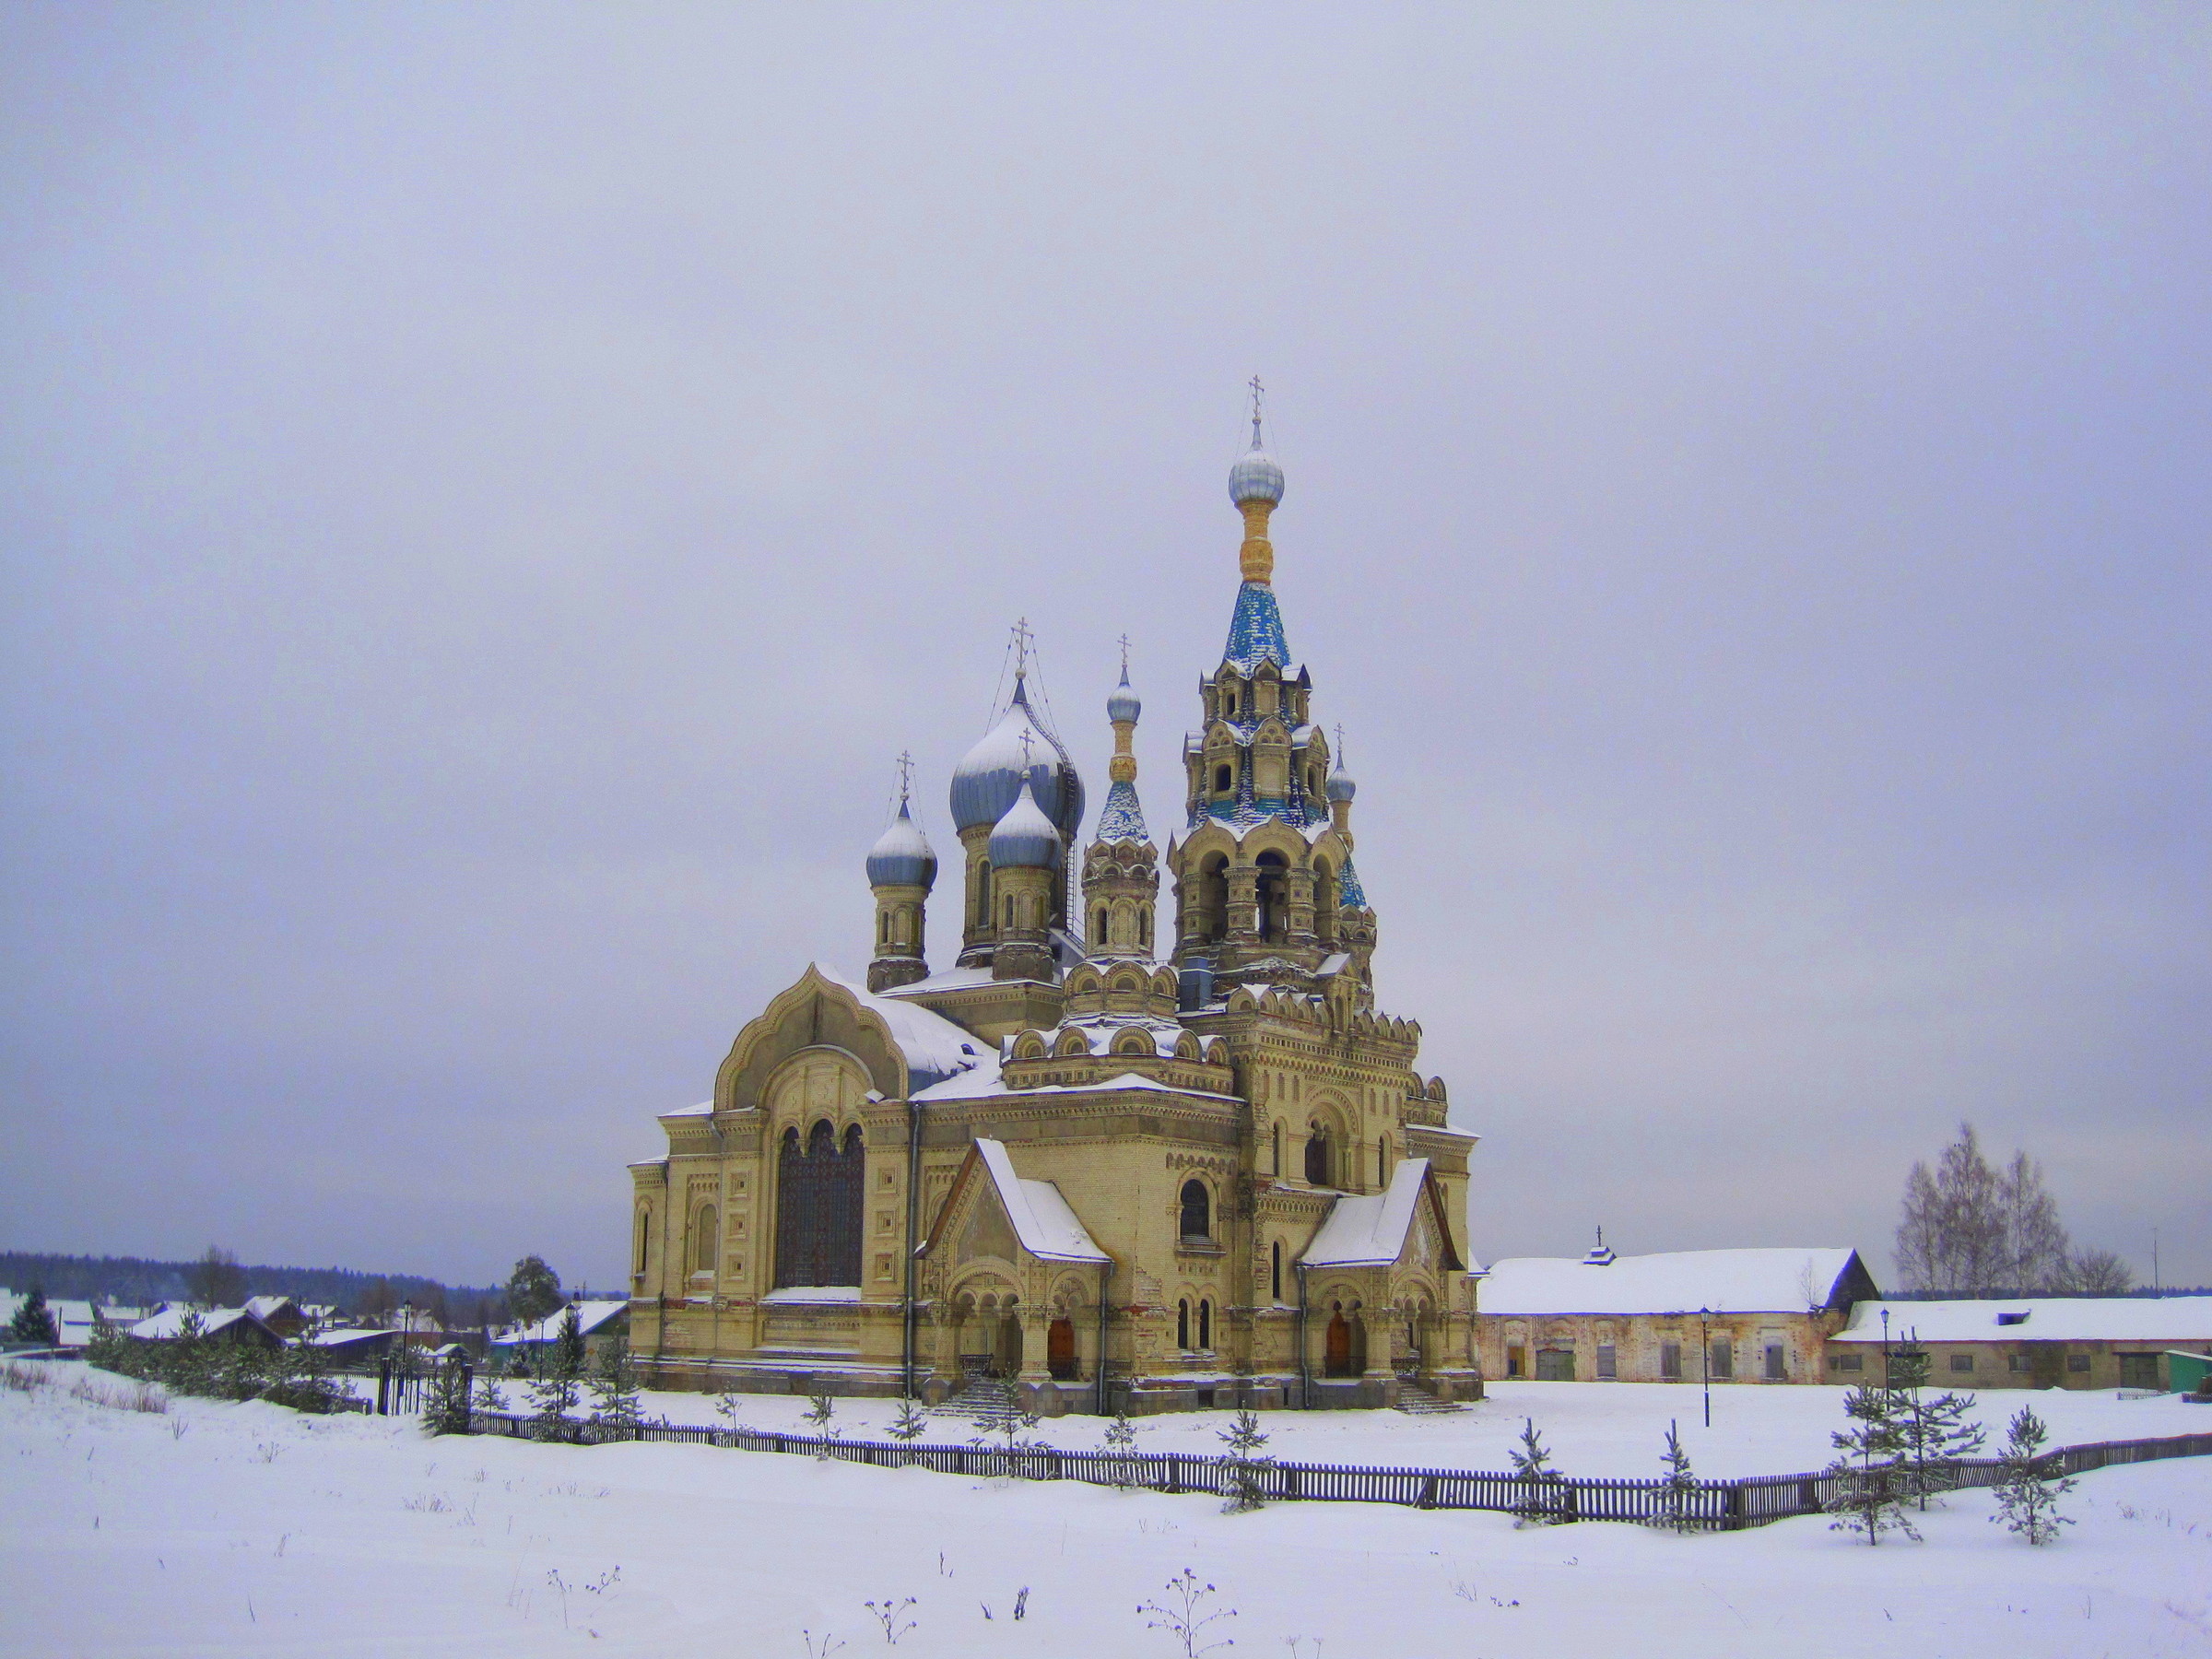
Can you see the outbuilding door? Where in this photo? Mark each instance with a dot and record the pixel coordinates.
(1555, 1365)
(2139, 1371)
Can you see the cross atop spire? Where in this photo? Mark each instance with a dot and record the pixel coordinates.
(906, 775)
(1124, 642)
(1023, 637)
(1258, 391)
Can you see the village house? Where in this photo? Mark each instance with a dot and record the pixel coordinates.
(602, 1323)
(1685, 1316)
(2044, 1342)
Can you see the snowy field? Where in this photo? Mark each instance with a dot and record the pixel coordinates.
(219, 1529)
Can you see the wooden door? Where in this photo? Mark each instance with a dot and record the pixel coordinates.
(1337, 1359)
(1060, 1350)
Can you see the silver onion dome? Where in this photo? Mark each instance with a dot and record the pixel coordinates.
(1256, 477)
(1341, 784)
(1124, 703)
(986, 781)
(902, 855)
(1025, 838)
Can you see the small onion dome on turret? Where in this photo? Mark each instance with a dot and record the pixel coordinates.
(902, 855)
(1256, 477)
(1122, 705)
(987, 780)
(1025, 838)
(1341, 784)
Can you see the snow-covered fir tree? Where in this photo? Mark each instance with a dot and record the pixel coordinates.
(1544, 1493)
(1871, 1479)
(2032, 1482)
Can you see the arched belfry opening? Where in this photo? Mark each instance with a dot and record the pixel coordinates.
(1273, 894)
(818, 1189)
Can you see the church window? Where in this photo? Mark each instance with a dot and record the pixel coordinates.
(644, 1238)
(818, 1194)
(704, 1237)
(1317, 1155)
(1197, 1212)
(1206, 1324)
(1224, 779)
(1382, 1160)
(1274, 1270)
(1099, 937)
(1182, 1325)
(1228, 699)
(1275, 1161)
(1009, 911)
(983, 895)
(1144, 927)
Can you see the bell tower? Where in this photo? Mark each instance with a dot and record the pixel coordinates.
(1263, 871)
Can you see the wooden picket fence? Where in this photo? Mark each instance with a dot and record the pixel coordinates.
(1716, 1505)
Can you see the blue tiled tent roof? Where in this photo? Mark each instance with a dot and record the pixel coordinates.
(1348, 891)
(1255, 631)
(1123, 819)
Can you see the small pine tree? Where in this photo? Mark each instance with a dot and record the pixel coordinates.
(911, 1422)
(821, 1412)
(1872, 1477)
(1544, 1494)
(568, 1344)
(616, 1409)
(1121, 1441)
(1678, 1510)
(728, 1404)
(34, 1320)
(2032, 1483)
(553, 1396)
(1244, 1463)
(447, 1409)
(300, 1377)
(487, 1392)
(1009, 1415)
(1935, 1433)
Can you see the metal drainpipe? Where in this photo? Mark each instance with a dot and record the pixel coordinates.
(1305, 1375)
(1105, 1289)
(913, 1212)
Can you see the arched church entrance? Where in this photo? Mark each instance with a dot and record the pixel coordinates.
(1060, 1350)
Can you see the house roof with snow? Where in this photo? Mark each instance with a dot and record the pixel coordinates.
(1680, 1281)
(168, 1324)
(1370, 1230)
(2145, 1319)
(590, 1316)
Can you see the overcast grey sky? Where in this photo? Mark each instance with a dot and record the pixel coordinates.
(488, 491)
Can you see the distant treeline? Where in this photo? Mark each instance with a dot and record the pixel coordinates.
(138, 1281)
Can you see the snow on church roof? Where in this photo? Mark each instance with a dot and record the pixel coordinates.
(1047, 1227)
(1368, 1229)
(934, 1048)
(1727, 1281)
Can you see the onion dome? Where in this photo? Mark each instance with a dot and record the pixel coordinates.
(1341, 784)
(902, 855)
(985, 784)
(1025, 838)
(1255, 477)
(1122, 705)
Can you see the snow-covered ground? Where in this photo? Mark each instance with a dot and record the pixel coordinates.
(247, 1529)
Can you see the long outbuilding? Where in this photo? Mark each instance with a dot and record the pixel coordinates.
(2037, 1342)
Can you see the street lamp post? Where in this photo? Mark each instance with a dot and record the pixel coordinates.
(1705, 1347)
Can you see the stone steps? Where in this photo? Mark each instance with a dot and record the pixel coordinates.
(1416, 1400)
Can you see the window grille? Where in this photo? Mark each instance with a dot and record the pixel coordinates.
(1608, 1362)
(1670, 1361)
